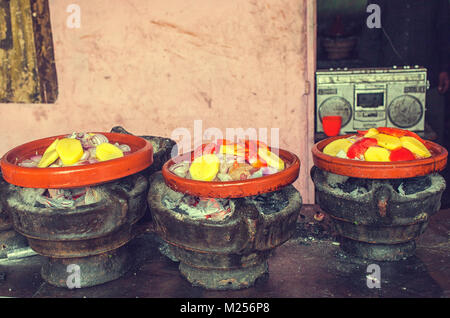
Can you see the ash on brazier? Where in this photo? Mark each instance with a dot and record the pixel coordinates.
(378, 219)
(10, 240)
(230, 252)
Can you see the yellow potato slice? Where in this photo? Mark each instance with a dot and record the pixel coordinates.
(205, 168)
(50, 155)
(387, 141)
(69, 150)
(415, 146)
(48, 158)
(107, 151)
(272, 159)
(371, 132)
(52, 146)
(232, 150)
(377, 154)
(334, 147)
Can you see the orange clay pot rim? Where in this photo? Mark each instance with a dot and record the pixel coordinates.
(140, 158)
(436, 162)
(236, 188)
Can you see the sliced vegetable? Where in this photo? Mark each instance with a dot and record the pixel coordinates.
(415, 146)
(371, 132)
(48, 158)
(401, 154)
(251, 153)
(50, 155)
(233, 149)
(337, 145)
(69, 150)
(358, 149)
(397, 132)
(362, 132)
(387, 141)
(205, 168)
(222, 142)
(205, 149)
(52, 146)
(107, 151)
(257, 162)
(376, 153)
(272, 159)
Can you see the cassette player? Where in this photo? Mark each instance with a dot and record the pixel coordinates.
(375, 97)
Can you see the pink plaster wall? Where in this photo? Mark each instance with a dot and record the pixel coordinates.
(154, 66)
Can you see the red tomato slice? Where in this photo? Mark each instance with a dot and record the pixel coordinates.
(401, 154)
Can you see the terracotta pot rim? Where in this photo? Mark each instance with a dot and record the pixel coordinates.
(139, 159)
(379, 170)
(238, 188)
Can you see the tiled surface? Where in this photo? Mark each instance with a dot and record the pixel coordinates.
(309, 265)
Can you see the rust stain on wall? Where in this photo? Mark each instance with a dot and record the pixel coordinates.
(40, 114)
(173, 27)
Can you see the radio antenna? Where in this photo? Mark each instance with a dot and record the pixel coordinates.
(393, 47)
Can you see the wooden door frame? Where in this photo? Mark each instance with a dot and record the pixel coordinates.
(311, 64)
(28, 71)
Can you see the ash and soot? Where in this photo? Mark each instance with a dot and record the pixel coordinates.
(357, 186)
(219, 209)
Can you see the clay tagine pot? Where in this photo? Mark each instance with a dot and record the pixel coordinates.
(92, 236)
(141, 157)
(234, 189)
(378, 209)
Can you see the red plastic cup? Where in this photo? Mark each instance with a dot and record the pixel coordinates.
(331, 125)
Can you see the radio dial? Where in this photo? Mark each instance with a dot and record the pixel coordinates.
(405, 111)
(336, 106)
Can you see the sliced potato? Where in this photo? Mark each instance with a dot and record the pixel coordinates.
(387, 141)
(272, 159)
(107, 151)
(50, 155)
(371, 132)
(375, 153)
(205, 168)
(334, 147)
(415, 146)
(48, 158)
(69, 150)
(52, 146)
